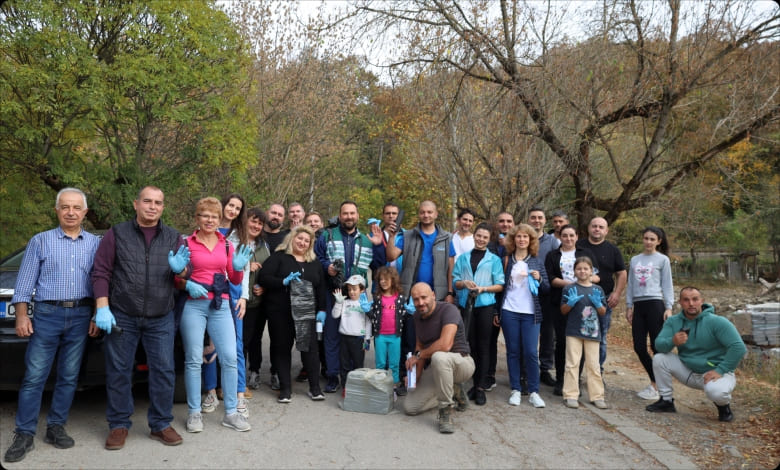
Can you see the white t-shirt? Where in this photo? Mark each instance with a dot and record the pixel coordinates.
(462, 245)
(518, 297)
(567, 265)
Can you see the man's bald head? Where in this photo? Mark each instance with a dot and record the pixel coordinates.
(423, 298)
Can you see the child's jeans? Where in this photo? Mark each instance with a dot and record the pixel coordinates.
(387, 352)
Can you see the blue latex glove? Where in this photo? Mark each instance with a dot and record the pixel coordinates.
(365, 304)
(321, 317)
(410, 307)
(296, 276)
(105, 319)
(179, 261)
(572, 298)
(373, 221)
(595, 299)
(196, 290)
(533, 285)
(241, 257)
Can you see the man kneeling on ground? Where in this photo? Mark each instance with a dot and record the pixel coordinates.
(443, 353)
(709, 348)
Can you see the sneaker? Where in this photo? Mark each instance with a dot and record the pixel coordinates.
(333, 384)
(479, 397)
(546, 378)
(247, 393)
(116, 439)
(472, 393)
(400, 389)
(195, 422)
(316, 395)
(662, 406)
(56, 436)
(536, 400)
(649, 393)
(303, 376)
(724, 413)
(210, 402)
(600, 404)
(241, 408)
(571, 403)
(515, 398)
(284, 398)
(167, 436)
(22, 444)
(445, 420)
(491, 384)
(254, 380)
(460, 398)
(237, 422)
(275, 382)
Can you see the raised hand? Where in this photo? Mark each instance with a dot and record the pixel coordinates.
(241, 257)
(572, 298)
(596, 299)
(179, 261)
(296, 276)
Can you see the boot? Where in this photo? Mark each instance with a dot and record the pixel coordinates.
(724, 413)
(445, 420)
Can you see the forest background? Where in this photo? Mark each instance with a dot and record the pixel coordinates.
(644, 112)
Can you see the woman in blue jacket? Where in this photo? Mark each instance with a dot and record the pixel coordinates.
(479, 274)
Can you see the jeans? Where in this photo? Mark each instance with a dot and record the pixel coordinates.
(604, 323)
(209, 371)
(332, 339)
(55, 328)
(521, 335)
(387, 352)
(157, 336)
(196, 319)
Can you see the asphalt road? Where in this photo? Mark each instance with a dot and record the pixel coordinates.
(306, 434)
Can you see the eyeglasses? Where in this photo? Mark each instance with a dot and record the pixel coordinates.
(208, 217)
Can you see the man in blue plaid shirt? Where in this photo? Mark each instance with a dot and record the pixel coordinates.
(56, 271)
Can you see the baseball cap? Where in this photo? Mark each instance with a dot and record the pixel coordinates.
(356, 280)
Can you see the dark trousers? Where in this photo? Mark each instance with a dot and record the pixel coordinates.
(311, 361)
(547, 335)
(408, 342)
(491, 372)
(282, 333)
(254, 325)
(351, 355)
(480, 334)
(648, 320)
(559, 324)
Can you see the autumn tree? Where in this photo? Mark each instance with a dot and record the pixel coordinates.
(629, 97)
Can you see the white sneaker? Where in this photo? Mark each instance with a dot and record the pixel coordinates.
(194, 423)
(210, 402)
(536, 400)
(515, 398)
(649, 393)
(237, 422)
(241, 408)
(254, 381)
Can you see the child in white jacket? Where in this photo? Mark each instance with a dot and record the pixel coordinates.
(355, 328)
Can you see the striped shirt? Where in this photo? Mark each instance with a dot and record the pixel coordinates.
(56, 267)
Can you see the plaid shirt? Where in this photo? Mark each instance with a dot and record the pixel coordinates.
(56, 267)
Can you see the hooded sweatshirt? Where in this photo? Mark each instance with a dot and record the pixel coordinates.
(713, 342)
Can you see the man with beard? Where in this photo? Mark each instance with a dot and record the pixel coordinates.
(358, 253)
(273, 226)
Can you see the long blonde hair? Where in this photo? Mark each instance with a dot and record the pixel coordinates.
(287, 247)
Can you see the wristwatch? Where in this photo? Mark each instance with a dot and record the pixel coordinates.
(451, 293)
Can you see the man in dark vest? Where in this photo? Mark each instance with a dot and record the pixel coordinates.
(133, 283)
(358, 253)
(426, 250)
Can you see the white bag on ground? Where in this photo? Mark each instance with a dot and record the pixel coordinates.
(369, 391)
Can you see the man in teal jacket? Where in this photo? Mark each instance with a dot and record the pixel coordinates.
(709, 348)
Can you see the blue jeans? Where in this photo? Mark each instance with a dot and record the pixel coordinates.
(210, 370)
(520, 332)
(387, 353)
(55, 328)
(196, 318)
(157, 336)
(604, 323)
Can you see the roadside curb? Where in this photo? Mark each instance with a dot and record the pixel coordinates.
(650, 442)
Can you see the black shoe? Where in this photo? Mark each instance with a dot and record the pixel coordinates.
(400, 389)
(22, 444)
(333, 384)
(480, 398)
(662, 406)
(558, 390)
(724, 413)
(547, 379)
(56, 436)
(460, 398)
(491, 383)
(472, 393)
(303, 376)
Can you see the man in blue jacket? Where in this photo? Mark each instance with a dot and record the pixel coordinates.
(709, 348)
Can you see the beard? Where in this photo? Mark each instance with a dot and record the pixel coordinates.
(273, 225)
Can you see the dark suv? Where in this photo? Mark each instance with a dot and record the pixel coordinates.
(92, 374)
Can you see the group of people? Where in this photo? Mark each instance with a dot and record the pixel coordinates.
(433, 302)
